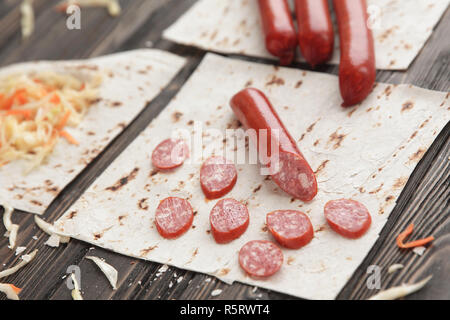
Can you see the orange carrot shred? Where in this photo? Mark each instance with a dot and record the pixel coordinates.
(26, 113)
(62, 123)
(15, 289)
(55, 99)
(21, 98)
(8, 102)
(412, 244)
(68, 137)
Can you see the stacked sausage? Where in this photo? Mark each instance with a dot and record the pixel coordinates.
(316, 38)
(230, 218)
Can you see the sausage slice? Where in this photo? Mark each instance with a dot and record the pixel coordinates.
(170, 154)
(349, 218)
(217, 177)
(260, 258)
(292, 229)
(174, 216)
(229, 219)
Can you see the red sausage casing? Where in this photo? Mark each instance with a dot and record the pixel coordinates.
(279, 29)
(315, 30)
(294, 175)
(357, 67)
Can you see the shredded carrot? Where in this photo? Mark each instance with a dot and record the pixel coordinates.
(21, 98)
(15, 289)
(63, 121)
(26, 113)
(55, 99)
(8, 102)
(417, 243)
(68, 137)
(82, 86)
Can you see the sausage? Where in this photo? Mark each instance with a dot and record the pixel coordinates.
(217, 177)
(357, 66)
(173, 217)
(260, 258)
(170, 154)
(315, 30)
(349, 218)
(279, 29)
(294, 175)
(229, 219)
(292, 229)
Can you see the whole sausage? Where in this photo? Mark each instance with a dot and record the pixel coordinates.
(173, 217)
(217, 177)
(357, 66)
(279, 29)
(229, 219)
(315, 30)
(294, 175)
(260, 258)
(347, 217)
(292, 229)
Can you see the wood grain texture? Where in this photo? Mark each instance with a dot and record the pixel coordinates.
(424, 201)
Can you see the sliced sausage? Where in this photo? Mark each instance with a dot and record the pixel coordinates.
(279, 29)
(347, 217)
(293, 173)
(260, 258)
(174, 216)
(217, 177)
(292, 229)
(315, 30)
(229, 219)
(170, 154)
(357, 66)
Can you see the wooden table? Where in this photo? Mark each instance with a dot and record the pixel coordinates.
(424, 201)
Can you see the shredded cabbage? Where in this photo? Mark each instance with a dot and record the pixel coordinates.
(76, 293)
(35, 109)
(401, 291)
(27, 20)
(11, 229)
(11, 291)
(109, 271)
(112, 6)
(26, 258)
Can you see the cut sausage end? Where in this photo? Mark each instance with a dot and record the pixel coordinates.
(260, 258)
(173, 217)
(292, 229)
(229, 220)
(295, 177)
(349, 218)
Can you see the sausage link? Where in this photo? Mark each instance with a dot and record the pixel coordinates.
(294, 175)
(279, 29)
(357, 67)
(315, 30)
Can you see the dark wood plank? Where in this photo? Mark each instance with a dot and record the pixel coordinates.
(424, 200)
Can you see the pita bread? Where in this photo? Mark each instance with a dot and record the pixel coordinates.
(365, 153)
(400, 29)
(130, 80)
